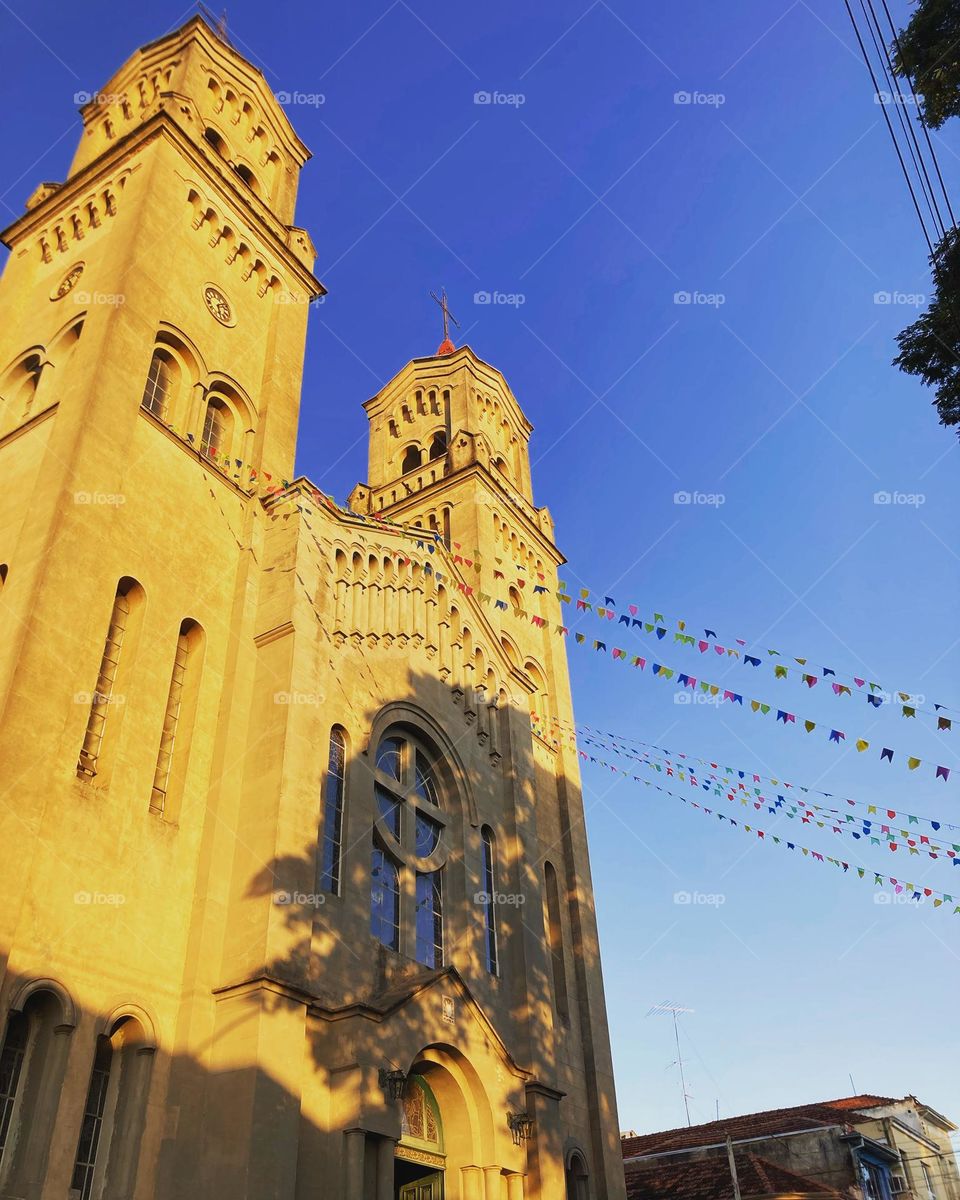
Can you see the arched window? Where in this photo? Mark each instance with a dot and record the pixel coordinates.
(438, 446)
(178, 716)
(32, 1064)
(25, 383)
(3, 574)
(248, 177)
(407, 839)
(331, 845)
(216, 141)
(489, 889)
(158, 389)
(114, 1113)
(411, 459)
(217, 429)
(577, 1178)
(11, 1067)
(91, 1126)
(127, 594)
(555, 941)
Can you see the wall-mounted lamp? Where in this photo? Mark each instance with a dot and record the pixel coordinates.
(392, 1082)
(521, 1126)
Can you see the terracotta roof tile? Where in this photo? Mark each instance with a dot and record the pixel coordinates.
(753, 1125)
(709, 1179)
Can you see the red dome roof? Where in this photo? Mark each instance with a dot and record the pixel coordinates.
(446, 347)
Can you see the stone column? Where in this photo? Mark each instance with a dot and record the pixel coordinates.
(354, 1145)
(492, 1183)
(472, 1180)
(515, 1187)
(386, 1148)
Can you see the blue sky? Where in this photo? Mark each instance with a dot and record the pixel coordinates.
(597, 199)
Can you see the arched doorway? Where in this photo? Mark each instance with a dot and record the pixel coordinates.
(420, 1157)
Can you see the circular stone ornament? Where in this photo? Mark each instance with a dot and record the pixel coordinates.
(68, 282)
(218, 305)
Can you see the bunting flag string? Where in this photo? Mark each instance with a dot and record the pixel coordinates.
(912, 890)
(432, 544)
(730, 776)
(836, 736)
(810, 673)
(875, 833)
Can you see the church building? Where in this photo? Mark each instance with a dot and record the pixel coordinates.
(296, 900)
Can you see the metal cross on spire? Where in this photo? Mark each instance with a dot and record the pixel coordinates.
(218, 24)
(446, 346)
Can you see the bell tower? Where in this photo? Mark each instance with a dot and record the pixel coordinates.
(155, 309)
(449, 450)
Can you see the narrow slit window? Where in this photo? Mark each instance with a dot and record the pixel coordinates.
(103, 693)
(171, 719)
(490, 899)
(385, 899)
(331, 851)
(429, 919)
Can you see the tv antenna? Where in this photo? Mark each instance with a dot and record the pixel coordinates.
(660, 1010)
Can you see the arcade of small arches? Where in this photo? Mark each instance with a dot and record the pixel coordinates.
(382, 596)
(66, 232)
(40, 1026)
(209, 221)
(207, 407)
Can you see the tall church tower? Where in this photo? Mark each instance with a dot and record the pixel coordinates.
(295, 904)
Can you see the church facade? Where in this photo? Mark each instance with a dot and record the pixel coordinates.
(296, 902)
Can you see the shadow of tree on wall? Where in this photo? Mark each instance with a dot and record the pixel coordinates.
(242, 1116)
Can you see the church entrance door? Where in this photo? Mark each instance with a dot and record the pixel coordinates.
(428, 1187)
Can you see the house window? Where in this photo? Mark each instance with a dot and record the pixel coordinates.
(156, 393)
(11, 1066)
(411, 459)
(438, 447)
(928, 1182)
(92, 1124)
(875, 1180)
(489, 889)
(408, 850)
(331, 846)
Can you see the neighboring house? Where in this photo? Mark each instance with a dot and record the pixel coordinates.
(863, 1147)
(667, 1178)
